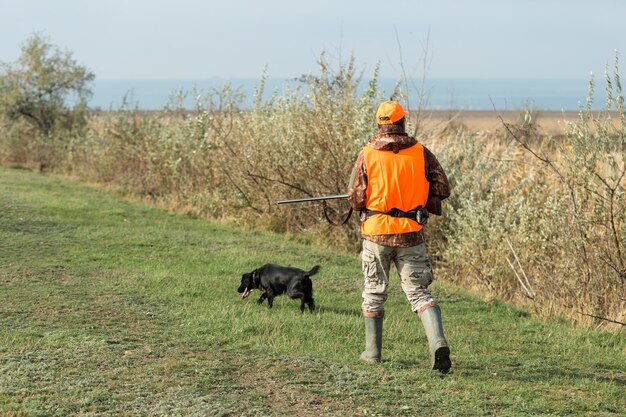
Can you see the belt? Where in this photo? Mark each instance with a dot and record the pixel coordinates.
(418, 214)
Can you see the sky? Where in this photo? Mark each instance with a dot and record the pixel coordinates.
(195, 39)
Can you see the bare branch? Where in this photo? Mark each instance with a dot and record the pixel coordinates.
(294, 186)
(484, 278)
(601, 318)
(527, 292)
(242, 192)
(528, 287)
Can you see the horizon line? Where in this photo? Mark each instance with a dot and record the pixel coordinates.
(296, 78)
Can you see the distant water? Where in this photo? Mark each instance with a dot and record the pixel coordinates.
(439, 94)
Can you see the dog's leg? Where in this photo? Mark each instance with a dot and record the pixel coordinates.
(311, 304)
(269, 294)
(261, 298)
(302, 304)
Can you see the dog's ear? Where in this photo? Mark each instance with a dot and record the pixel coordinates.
(250, 278)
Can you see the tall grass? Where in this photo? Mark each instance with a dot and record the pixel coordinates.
(535, 219)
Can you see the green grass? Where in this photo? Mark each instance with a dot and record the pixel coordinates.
(108, 307)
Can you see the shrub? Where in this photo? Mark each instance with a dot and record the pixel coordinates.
(542, 218)
(533, 218)
(45, 91)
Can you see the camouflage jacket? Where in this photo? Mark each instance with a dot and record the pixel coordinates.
(392, 137)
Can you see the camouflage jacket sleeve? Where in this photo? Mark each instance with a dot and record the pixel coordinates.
(357, 193)
(436, 176)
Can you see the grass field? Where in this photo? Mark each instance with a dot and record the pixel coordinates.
(109, 307)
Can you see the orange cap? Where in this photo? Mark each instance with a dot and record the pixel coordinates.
(389, 112)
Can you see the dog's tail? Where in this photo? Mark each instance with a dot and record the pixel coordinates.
(313, 271)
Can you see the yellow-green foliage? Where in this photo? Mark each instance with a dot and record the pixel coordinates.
(44, 97)
(541, 218)
(532, 218)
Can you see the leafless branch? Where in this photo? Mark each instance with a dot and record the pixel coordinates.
(482, 276)
(527, 292)
(601, 318)
(530, 292)
(294, 186)
(242, 192)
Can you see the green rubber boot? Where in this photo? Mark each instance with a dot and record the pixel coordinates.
(439, 350)
(373, 339)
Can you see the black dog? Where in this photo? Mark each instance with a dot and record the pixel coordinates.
(273, 280)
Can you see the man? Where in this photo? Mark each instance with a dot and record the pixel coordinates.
(395, 180)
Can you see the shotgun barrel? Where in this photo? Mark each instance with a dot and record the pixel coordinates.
(321, 198)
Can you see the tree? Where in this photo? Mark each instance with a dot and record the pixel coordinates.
(46, 87)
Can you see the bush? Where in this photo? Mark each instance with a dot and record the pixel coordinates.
(542, 218)
(535, 219)
(44, 95)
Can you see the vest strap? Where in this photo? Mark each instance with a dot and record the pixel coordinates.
(418, 214)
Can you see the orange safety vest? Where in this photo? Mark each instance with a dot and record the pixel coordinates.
(394, 180)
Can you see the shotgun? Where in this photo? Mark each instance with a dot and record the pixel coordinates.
(323, 199)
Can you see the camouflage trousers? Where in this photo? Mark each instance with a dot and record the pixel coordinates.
(413, 266)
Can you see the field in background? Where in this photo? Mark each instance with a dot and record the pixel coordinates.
(117, 308)
(552, 122)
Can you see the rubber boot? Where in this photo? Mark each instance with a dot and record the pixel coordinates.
(373, 339)
(439, 350)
